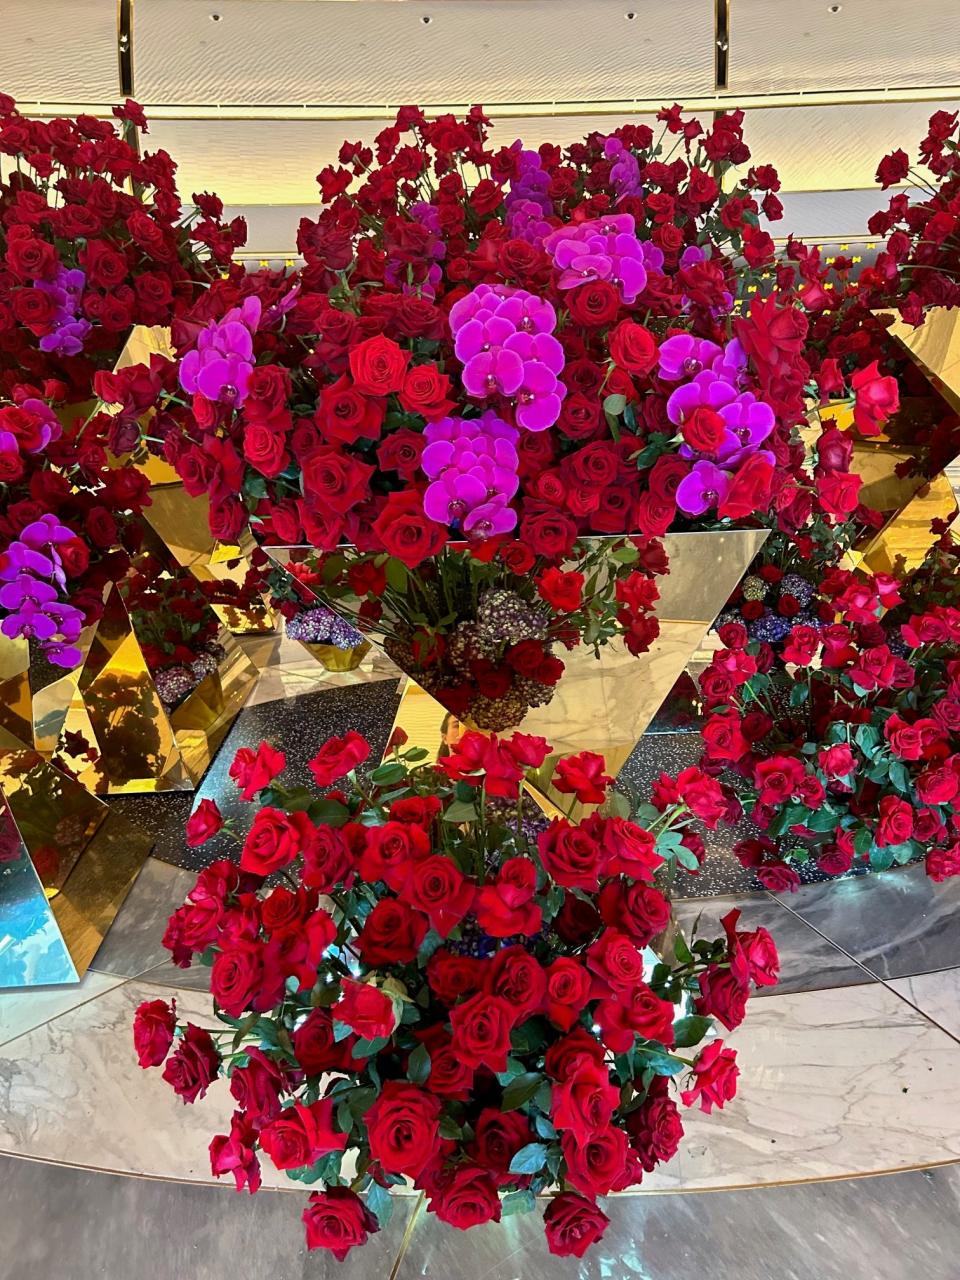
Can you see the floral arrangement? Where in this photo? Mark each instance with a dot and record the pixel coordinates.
(92, 242)
(467, 387)
(851, 755)
(320, 625)
(418, 984)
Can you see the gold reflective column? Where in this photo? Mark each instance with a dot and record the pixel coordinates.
(67, 861)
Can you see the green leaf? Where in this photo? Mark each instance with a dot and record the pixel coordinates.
(863, 841)
(459, 811)
(449, 1128)
(521, 1090)
(518, 1202)
(616, 806)
(544, 1127)
(396, 572)
(330, 813)
(368, 1048)
(385, 775)
(691, 1030)
(799, 694)
(614, 404)
(881, 859)
(418, 1064)
(529, 1159)
(380, 1203)
(686, 858)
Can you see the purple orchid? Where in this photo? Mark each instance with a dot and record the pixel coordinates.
(684, 356)
(625, 171)
(68, 330)
(220, 365)
(704, 488)
(472, 465)
(601, 249)
(29, 570)
(504, 337)
(532, 183)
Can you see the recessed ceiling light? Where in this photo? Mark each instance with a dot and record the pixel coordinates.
(834, 8)
(426, 19)
(630, 16)
(215, 17)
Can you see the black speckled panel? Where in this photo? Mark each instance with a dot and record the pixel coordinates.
(298, 726)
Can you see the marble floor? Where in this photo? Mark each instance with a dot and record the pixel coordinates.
(839, 1158)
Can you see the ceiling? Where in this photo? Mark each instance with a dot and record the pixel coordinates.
(253, 97)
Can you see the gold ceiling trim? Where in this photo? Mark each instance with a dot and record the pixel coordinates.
(628, 106)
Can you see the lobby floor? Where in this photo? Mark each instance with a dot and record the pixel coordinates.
(839, 1158)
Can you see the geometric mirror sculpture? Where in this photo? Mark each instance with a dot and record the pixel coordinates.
(107, 724)
(181, 523)
(604, 702)
(66, 860)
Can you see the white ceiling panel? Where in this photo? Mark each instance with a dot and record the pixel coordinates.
(59, 50)
(368, 52)
(780, 46)
(832, 148)
(276, 161)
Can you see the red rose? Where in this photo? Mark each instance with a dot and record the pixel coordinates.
(236, 1154)
(506, 907)
(101, 527)
(570, 856)
(337, 481)
(451, 976)
(633, 348)
(265, 449)
(895, 824)
(390, 852)
(704, 430)
(631, 850)
(938, 786)
(426, 391)
(584, 1099)
(615, 962)
(257, 1086)
(28, 257)
(316, 1048)
(481, 1031)
(439, 889)
(778, 877)
(655, 1130)
(548, 533)
(365, 1010)
(205, 821)
(378, 366)
(561, 590)
(254, 770)
(722, 996)
(403, 1128)
(517, 978)
(274, 840)
(328, 860)
(345, 414)
(337, 757)
(401, 451)
(598, 1164)
(877, 398)
(465, 1196)
(639, 910)
(635, 1012)
(239, 979)
(105, 267)
(337, 1220)
(193, 1065)
(498, 1136)
(302, 1134)
(572, 1224)
(582, 775)
(405, 531)
(749, 490)
(153, 1026)
(714, 1078)
(594, 305)
(391, 934)
(568, 991)
(837, 761)
(941, 864)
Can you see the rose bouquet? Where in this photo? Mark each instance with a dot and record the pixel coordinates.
(437, 990)
(92, 242)
(855, 757)
(468, 387)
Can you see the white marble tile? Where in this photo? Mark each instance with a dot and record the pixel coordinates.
(833, 1083)
(24, 1009)
(935, 994)
(72, 1091)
